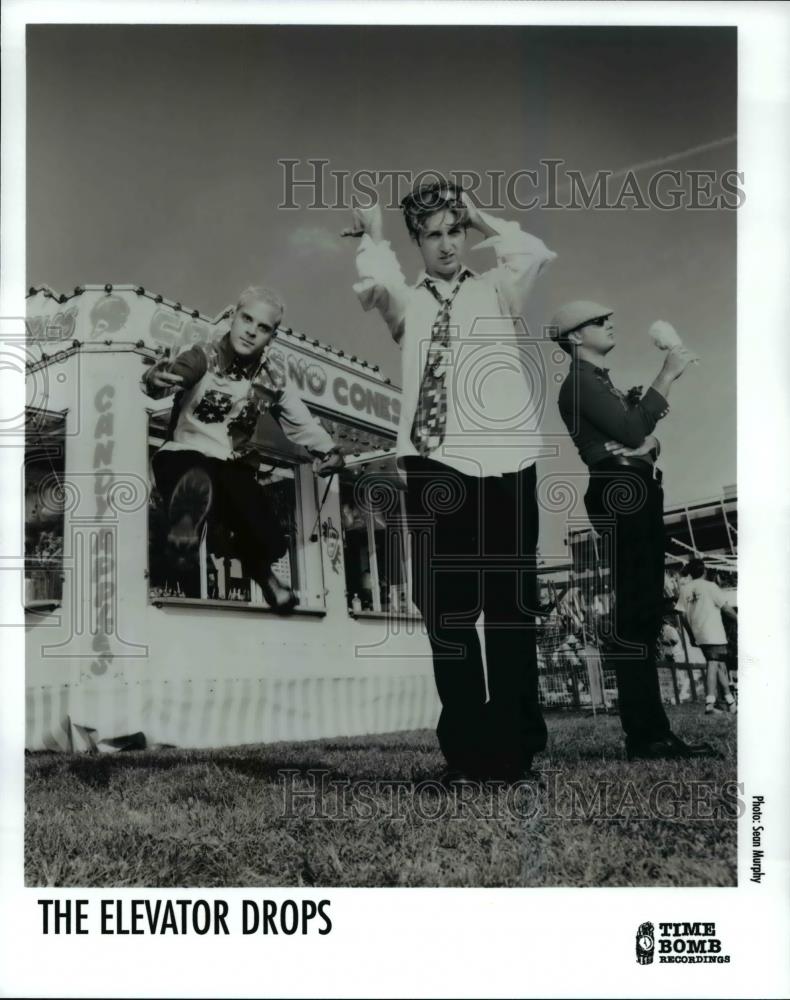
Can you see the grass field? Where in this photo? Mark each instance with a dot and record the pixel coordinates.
(230, 817)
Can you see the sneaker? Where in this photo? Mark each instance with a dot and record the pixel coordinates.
(188, 510)
(733, 708)
(281, 599)
(712, 710)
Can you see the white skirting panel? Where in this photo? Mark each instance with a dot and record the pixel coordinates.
(226, 711)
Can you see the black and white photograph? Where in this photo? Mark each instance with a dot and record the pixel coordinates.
(388, 490)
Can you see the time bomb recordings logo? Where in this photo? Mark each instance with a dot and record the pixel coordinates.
(645, 944)
(679, 943)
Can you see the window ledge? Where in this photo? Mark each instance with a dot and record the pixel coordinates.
(385, 615)
(42, 607)
(197, 602)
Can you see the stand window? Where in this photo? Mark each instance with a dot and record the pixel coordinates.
(45, 468)
(375, 544)
(220, 576)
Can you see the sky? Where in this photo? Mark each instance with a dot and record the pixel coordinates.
(152, 159)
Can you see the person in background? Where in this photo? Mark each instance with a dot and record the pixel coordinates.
(571, 607)
(671, 585)
(702, 603)
(670, 643)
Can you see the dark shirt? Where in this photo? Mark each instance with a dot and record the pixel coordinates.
(595, 412)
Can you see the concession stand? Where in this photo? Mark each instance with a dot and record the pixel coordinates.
(118, 652)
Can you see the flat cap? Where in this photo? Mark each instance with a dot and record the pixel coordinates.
(575, 314)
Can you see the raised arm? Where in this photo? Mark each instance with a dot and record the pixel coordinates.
(381, 283)
(630, 426)
(521, 258)
(166, 376)
(592, 398)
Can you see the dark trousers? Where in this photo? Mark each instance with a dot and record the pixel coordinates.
(239, 504)
(626, 505)
(473, 549)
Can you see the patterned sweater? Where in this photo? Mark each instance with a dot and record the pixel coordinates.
(217, 407)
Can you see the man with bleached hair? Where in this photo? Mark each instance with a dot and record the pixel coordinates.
(208, 462)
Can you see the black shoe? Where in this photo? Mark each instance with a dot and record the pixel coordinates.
(281, 599)
(692, 749)
(454, 780)
(187, 512)
(529, 776)
(670, 747)
(525, 772)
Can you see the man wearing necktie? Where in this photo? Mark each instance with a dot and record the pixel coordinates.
(468, 438)
(624, 501)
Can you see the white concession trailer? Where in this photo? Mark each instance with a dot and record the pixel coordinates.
(118, 653)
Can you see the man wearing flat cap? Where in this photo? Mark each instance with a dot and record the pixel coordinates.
(624, 500)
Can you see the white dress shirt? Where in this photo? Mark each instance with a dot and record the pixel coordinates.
(495, 386)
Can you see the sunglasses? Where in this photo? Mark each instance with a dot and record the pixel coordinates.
(598, 321)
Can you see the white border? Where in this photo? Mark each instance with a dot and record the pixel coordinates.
(470, 942)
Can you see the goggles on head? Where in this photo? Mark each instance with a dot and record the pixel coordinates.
(432, 197)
